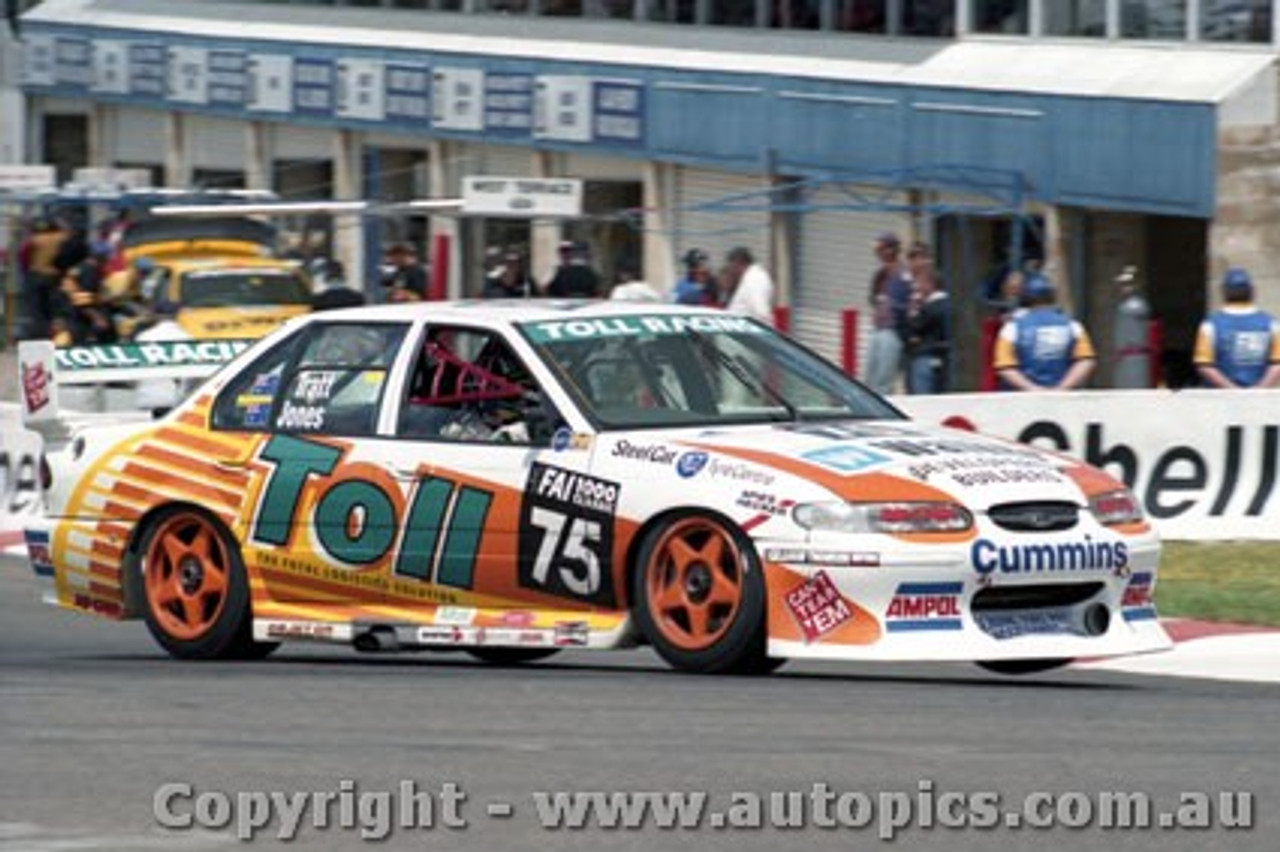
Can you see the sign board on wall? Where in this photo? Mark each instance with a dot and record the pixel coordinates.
(522, 197)
(408, 93)
(38, 60)
(270, 83)
(111, 67)
(361, 90)
(1202, 468)
(562, 108)
(189, 75)
(27, 178)
(457, 96)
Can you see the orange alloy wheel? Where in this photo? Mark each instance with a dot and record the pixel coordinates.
(187, 572)
(694, 583)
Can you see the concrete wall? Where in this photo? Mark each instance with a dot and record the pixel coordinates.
(1246, 228)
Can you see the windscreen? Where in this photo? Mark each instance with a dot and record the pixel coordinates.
(645, 371)
(226, 288)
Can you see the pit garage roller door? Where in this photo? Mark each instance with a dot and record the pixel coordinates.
(499, 160)
(835, 262)
(715, 232)
(138, 135)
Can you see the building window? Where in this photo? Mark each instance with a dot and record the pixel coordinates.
(1006, 17)
(734, 13)
(1221, 20)
(931, 18)
(1155, 19)
(861, 16)
(1076, 18)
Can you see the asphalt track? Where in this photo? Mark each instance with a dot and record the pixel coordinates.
(94, 719)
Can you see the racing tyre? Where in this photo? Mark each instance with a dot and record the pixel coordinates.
(699, 597)
(196, 593)
(511, 656)
(1024, 667)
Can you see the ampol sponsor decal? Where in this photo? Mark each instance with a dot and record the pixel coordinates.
(924, 606)
(1136, 601)
(818, 606)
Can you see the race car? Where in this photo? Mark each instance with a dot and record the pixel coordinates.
(218, 278)
(515, 478)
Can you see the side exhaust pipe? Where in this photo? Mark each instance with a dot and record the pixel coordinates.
(1095, 619)
(377, 640)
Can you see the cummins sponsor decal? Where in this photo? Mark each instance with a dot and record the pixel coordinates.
(1085, 554)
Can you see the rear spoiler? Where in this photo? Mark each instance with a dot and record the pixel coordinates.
(107, 372)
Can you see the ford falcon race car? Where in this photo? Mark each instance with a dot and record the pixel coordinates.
(511, 479)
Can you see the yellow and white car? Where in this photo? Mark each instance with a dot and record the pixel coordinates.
(219, 278)
(510, 479)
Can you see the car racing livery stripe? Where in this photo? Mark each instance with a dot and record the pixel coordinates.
(862, 487)
(167, 461)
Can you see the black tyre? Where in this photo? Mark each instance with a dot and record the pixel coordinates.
(195, 589)
(699, 596)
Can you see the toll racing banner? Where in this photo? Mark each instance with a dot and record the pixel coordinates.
(1204, 463)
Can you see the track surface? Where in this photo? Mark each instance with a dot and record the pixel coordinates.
(93, 719)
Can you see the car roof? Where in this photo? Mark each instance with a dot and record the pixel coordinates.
(507, 313)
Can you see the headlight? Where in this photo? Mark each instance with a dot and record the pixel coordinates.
(883, 517)
(1113, 508)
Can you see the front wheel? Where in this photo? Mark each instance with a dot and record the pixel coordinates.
(699, 596)
(1024, 667)
(197, 596)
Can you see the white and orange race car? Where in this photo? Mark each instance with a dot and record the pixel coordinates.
(511, 479)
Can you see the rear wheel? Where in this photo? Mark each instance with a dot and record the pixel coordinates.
(699, 596)
(197, 596)
(1024, 667)
(511, 656)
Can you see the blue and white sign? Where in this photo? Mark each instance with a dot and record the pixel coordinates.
(361, 90)
(111, 67)
(270, 82)
(619, 111)
(228, 77)
(508, 103)
(408, 93)
(148, 69)
(562, 108)
(189, 74)
(73, 62)
(313, 86)
(38, 60)
(457, 99)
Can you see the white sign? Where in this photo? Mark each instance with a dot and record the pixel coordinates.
(457, 96)
(521, 197)
(189, 75)
(562, 108)
(361, 93)
(110, 67)
(98, 179)
(27, 178)
(270, 83)
(1204, 463)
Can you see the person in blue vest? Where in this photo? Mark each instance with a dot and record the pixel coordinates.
(1042, 348)
(1239, 345)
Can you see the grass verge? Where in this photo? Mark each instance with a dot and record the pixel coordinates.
(1220, 581)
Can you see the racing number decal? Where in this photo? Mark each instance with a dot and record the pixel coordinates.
(359, 517)
(566, 535)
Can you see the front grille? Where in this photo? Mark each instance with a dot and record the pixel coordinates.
(1033, 597)
(1044, 516)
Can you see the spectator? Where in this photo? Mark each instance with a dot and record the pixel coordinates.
(40, 274)
(406, 277)
(631, 289)
(1239, 345)
(335, 292)
(81, 301)
(890, 294)
(928, 326)
(1042, 348)
(122, 296)
(698, 286)
(574, 278)
(750, 289)
(509, 280)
